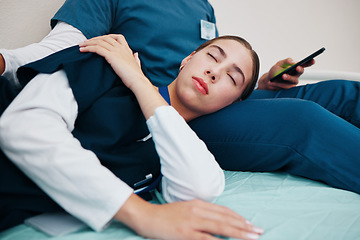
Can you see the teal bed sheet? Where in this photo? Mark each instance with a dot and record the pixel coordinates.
(287, 207)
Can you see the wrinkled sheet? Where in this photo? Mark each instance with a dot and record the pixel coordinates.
(287, 207)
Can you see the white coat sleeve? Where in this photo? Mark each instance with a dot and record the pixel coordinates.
(62, 36)
(35, 134)
(189, 170)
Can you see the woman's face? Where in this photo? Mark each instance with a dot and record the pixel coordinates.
(214, 77)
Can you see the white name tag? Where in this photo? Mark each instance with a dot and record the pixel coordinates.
(207, 29)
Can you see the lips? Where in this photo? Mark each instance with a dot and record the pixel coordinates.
(201, 85)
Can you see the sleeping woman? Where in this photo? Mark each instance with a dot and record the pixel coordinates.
(89, 133)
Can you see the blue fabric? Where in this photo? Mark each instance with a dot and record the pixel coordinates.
(289, 131)
(7, 94)
(164, 92)
(163, 32)
(109, 123)
(338, 96)
(20, 198)
(174, 34)
(267, 134)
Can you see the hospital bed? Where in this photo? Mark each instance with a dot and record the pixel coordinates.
(286, 206)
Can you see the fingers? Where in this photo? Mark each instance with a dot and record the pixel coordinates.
(225, 222)
(102, 44)
(310, 63)
(218, 210)
(120, 39)
(291, 81)
(223, 228)
(288, 62)
(196, 220)
(110, 38)
(98, 47)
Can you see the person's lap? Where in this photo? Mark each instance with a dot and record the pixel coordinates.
(337, 96)
(281, 131)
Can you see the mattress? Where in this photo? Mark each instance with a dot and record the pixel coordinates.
(285, 206)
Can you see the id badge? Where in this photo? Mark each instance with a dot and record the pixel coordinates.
(208, 30)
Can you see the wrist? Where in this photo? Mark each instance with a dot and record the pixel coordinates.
(134, 213)
(141, 84)
(148, 97)
(2, 64)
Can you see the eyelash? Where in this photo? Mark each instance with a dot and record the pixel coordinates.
(212, 57)
(232, 79)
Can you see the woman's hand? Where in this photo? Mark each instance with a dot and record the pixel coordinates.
(118, 54)
(292, 80)
(184, 220)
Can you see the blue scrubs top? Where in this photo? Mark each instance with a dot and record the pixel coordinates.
(163, 32)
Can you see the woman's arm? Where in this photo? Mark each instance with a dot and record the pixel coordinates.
(190, 170)
(193, 219)
(187, 174)
(116, 51)
(62, 36)
(35, 134)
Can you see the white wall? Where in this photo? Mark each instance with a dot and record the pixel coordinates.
(279, 29)
(276, 28)
(27, 24)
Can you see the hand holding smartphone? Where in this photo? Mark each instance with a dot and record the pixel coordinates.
(292, 70)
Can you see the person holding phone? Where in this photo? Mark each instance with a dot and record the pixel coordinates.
(280, 114)
(291, 68)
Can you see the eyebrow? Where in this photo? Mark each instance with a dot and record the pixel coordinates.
(222, 52)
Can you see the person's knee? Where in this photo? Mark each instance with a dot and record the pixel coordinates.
(342, 87)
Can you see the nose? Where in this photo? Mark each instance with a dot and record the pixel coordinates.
(211, 75)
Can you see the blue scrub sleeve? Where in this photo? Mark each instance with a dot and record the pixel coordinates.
(91, 17)
(162, 32)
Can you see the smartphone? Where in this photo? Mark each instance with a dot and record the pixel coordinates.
(292, 70)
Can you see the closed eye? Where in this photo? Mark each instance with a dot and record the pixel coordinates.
(212, 56)
(232, 79)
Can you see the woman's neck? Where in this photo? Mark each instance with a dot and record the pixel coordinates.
(176, 103)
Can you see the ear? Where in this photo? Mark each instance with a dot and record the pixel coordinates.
(187, 59)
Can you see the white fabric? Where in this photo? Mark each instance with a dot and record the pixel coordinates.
(190, 170)
(62, 36)
(35, 133)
